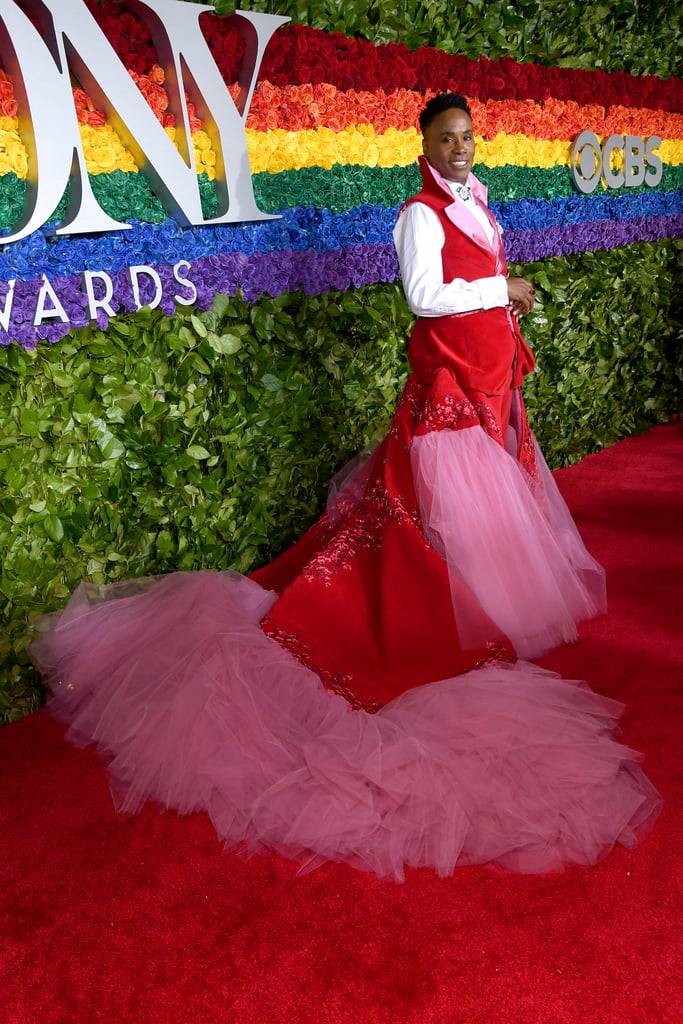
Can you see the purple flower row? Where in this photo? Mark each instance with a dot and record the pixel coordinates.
(272, 273)
(229, 273)
(529, 246)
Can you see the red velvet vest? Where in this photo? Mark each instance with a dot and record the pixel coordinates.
(484, 349)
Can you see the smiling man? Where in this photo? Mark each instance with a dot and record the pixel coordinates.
(448, 146)
(448, 142)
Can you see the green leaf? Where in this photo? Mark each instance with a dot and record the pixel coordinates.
(197, 451)
(271, 382)
(199, 327)
(226, 344)
(53, 527)
(106, 441)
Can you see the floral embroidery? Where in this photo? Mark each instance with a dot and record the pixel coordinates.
(448, 413)
(496, 651)
(527, 449)
(415, 412)
(339, 683)
(488, 420)
(334, 682)
(527, 454)
(363, 530)
(408, 408)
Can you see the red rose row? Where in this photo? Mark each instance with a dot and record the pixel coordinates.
(299, 55)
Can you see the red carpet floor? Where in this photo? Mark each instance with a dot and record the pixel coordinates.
(147, 921)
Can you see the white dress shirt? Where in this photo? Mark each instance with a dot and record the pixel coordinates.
(419, 239)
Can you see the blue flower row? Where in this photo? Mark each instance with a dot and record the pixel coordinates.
(300, 228)
(286, 271)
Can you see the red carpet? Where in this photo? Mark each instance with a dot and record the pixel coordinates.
(147, 921)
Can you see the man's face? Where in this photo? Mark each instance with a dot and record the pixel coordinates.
(448, 144)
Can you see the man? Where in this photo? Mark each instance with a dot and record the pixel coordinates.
(452, 262)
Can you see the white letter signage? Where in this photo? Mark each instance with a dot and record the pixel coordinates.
(75, 44)
(592, 160)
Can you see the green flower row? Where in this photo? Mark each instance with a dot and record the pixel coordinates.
(129, 196)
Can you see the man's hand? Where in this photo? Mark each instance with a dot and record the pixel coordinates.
(521, 294)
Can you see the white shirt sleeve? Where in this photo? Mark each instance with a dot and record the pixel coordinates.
(419, 239)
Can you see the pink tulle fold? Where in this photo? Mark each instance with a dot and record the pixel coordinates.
(197, 710)
(510, 539)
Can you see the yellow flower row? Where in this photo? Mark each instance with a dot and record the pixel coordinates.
(279, 150)
(103, 150)
(13, 157)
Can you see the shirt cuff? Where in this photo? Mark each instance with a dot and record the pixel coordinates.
(493, 291)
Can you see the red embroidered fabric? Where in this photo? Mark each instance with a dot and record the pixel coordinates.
(364, 598)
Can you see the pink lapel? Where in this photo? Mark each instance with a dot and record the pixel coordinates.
(464, 219)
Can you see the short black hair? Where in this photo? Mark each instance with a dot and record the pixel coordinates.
(437, 105)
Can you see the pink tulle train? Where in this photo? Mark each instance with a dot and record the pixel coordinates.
(196, 709)
(510, 539)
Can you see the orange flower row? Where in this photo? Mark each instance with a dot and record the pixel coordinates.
(8, 104)
(152, 88)
(304, 107)
(301, 107)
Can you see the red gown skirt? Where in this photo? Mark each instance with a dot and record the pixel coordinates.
(361, 698)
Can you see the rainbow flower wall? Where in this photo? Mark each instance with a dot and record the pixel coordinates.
(333, 143)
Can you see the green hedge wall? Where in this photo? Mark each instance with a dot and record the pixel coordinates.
(208, 439)
(638, 36)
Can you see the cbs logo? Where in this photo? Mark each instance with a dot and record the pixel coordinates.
(592, 160)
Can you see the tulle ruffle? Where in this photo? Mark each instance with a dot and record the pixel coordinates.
(197, 710)
(510, 539)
